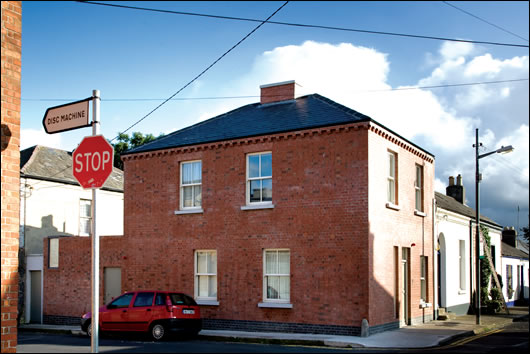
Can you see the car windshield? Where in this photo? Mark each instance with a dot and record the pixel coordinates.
(122, 301)
(181, 299)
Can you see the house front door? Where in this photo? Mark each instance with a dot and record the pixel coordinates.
(35, 293)
(112, 283)
(405, 286)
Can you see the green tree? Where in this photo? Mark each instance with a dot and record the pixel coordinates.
(525, 233)
(126, 143)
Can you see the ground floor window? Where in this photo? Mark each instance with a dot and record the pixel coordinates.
(276, 275)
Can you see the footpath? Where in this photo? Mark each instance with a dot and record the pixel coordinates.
(431, 334)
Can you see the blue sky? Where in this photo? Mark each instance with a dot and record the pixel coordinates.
(70, 48)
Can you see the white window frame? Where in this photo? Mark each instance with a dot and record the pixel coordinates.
(392, 178)
(53, 252)
(423, 278)
(278, 274)
(205, 299)
(462, 264)
(188, 185)
(260, 178)
(85, 218)
(418, 187)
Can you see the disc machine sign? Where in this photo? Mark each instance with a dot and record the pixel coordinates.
(66, 117)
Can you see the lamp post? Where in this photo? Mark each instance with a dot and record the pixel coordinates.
(478, 178)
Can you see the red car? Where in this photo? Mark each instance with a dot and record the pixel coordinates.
(155, 312)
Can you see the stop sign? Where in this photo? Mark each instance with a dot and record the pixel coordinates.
(93, 160)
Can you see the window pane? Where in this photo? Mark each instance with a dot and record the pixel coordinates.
(266, 165)
(85, 210)
(418, 200)
(284, 288)
(271, 262)
(197, 196)
(255, 191)
(253, 166)
(267, 190)
(418, 176)
(212, 263)
(283, 260)
(187, 200)
(85, 226)
(391, 191)
(143, 299)
(212, 286)
(203, 286)
(391, 165)
(197, 172)
(187, 173)
(273, 287)
(201, 263)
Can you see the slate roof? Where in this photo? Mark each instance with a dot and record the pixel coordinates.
(451, 204)
(55, 165)
(512, 252)
(306, 112)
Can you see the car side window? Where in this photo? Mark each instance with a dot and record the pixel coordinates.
(122, 301)
(160, 299)
(181, 299)
(144, 299)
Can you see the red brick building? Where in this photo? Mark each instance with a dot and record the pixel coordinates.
(11, 68)
(296, 215)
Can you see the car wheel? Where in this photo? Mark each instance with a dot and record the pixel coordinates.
(89, 329)
(158, 331)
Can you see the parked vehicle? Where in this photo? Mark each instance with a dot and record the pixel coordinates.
(155, 312)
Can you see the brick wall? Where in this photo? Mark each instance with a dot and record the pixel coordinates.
(329, 211)
(11, 65)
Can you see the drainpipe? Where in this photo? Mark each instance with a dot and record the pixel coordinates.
(434, 272)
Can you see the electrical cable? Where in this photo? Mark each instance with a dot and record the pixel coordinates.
(204, 71)
(307, 25)
(250, 96)
(483, 20)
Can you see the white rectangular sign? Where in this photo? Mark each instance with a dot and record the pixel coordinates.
(66, 117)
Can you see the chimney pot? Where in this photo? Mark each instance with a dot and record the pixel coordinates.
(451, 181)
(459, 180)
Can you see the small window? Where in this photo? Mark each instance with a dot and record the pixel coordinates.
(121, 302)
(509, 280)
(206, 275)
(418, 186)
(277, 277)
(144, 299)
(53, 252)
(391, 179)
(191, 185)
(85, 217)
(423, 278)
(259, 178)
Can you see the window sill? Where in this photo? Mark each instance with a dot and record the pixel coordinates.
(207, 302)
(462, 292)
(190, 211)
(420, 213)
(257, 207)
(425, 304)
(393, 206)
(275, 305)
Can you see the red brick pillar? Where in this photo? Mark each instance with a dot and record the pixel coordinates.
(11, 63)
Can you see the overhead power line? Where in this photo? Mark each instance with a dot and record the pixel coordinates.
(254, 96)
(483, 20)
(204, 71)
(305, 25)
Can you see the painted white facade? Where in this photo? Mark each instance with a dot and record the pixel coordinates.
(519, 282)
(456, 275)
(53, 209)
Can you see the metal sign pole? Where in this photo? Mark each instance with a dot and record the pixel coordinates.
(95, 239)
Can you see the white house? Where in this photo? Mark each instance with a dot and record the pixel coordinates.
(515, 271)
(54, 205)
(455, 262)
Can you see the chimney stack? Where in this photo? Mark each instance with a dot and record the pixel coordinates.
(281, 91)
(509, 236)
(456, 191)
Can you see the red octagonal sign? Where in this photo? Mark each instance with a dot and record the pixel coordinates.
(93, 160)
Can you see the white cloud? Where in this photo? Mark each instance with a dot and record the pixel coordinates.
(31, 137)
(443, 121)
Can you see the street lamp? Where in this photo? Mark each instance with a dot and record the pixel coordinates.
(478, 178)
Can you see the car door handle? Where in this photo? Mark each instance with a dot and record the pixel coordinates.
(124, 311)
(148, 310)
